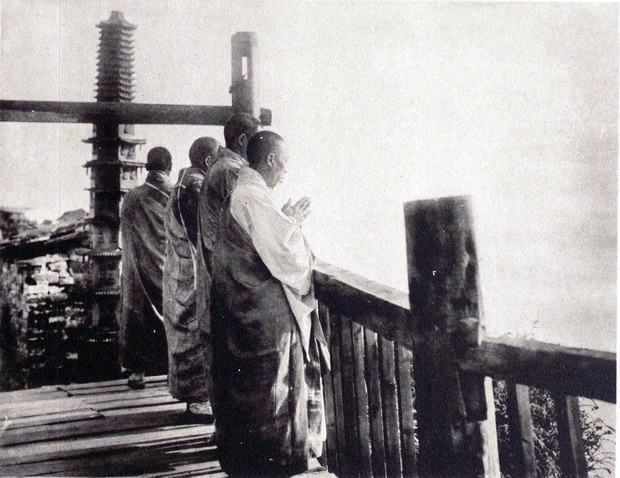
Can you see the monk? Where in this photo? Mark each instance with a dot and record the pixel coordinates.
(189, 376)
(216, 188)
(268, 346)
(142, 337)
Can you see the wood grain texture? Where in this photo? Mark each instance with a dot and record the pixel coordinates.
(151, 436)
(344, 463)
(331, 444)
(349, 398)
(577, 372)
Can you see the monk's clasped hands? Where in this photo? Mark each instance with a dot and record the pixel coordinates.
(298, 211)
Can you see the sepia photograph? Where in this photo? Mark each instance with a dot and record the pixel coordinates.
(308, 238)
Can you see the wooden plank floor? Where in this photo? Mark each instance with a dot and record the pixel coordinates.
(102, 429)
(106, 429)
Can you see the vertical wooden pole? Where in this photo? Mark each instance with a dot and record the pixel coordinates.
(389, 397)
(361, 397)
(520, 428)
(335, 324)
(570, 437)
(405, 412)
(349, 399)
(375, 407)
(444, 298)
(245, 87)
(330, 407)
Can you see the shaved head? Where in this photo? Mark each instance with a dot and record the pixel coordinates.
(267, 154)
(261, 145)
(201, 149)
(237, 125)
(158, 159)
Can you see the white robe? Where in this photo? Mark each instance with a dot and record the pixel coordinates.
(280, 243)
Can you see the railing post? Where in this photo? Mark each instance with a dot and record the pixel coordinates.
(444, 297)
(570, 437)
(520, 429)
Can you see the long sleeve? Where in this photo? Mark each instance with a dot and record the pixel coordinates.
(188, 199)
(278, 240)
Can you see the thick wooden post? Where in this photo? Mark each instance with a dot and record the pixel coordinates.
(444, 298)
(245, 87)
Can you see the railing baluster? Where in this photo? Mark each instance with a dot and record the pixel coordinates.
(390, 407)
(375, 408)
(330, 408)
(361, 395)
(405, 407)
(520, 429)
(336, 374)
(570, 435)
(348, 396)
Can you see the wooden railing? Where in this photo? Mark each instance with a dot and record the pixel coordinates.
(379, 424)
(368, 393)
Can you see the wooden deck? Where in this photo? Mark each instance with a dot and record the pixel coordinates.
(102, 429)
(106, 429)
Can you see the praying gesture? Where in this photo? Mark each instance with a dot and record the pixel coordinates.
(298, 211)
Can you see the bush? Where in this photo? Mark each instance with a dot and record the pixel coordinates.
(598, 436)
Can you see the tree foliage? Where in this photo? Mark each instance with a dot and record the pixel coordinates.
(13, 330)
(599, 437)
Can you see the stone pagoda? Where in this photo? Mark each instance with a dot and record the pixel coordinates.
(113, 168)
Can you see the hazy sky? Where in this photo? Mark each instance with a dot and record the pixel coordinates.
(381, 103)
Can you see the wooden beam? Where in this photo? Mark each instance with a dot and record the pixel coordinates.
(122, 113)
(571, 371)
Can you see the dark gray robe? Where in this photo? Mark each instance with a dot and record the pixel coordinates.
(189, 377)
(142, 337)
(267, 398)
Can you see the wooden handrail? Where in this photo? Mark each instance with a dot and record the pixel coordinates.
(382, 309)
(570, 371)
(377, 307)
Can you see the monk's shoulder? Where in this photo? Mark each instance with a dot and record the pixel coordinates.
(133, 196)
(192, 184)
